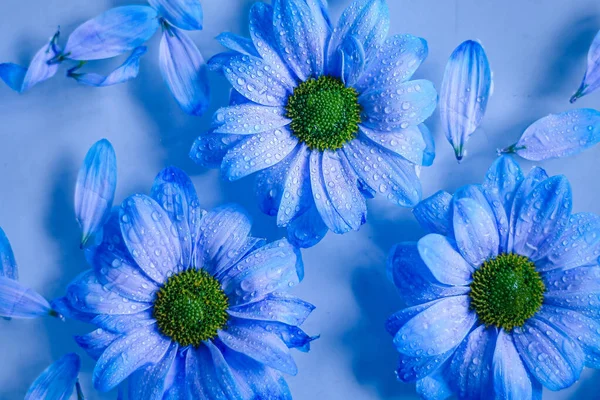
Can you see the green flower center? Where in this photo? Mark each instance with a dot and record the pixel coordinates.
(325, 113)
(191, 307)
(507, 291)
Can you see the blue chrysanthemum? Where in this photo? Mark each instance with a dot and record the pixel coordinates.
(187, 303)
(327, 114)
(503, 295)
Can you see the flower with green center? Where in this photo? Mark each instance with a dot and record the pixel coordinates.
(191, 307)
(176, 290)
(506, 291)
(502, 295)
(325, 114)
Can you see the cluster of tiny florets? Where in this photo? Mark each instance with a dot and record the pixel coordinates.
(506, 291)
(325, 113)
(191, 307)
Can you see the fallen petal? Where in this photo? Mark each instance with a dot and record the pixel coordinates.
(464, 95)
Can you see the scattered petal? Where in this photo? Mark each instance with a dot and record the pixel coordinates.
(95, 189)
(559, 135)
(114, 32)
(465, 91)
(127, 71)
(591, 79)
(21, 79)
(18, 301)
(8, 265)
(184, 70)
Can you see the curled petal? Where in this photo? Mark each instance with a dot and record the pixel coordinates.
(95, 188)
(57, 381)
(466, 87)
(591, 80)
(559, 135)
(184, 70)
(125, 72)
(114, 32)
(8, 265)
(184, 14)
(40, 69)
(18, 301)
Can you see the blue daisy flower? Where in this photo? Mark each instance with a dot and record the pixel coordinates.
(327, 116)
(503, 295)
(187, 303)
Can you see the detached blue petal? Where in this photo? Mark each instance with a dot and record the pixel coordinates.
(184, 70)
(184, 14)
(591, 80)
(13, 75)
(114, 32)
(466, 87)
(8, 265)
(559, 135)
(18, 301)
(40, 69)
(57, 381)
(95, 188)
(127, 71)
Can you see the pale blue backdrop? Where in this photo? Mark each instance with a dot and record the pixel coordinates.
(537, 51)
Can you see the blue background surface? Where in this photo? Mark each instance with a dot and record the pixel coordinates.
(537, 51)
